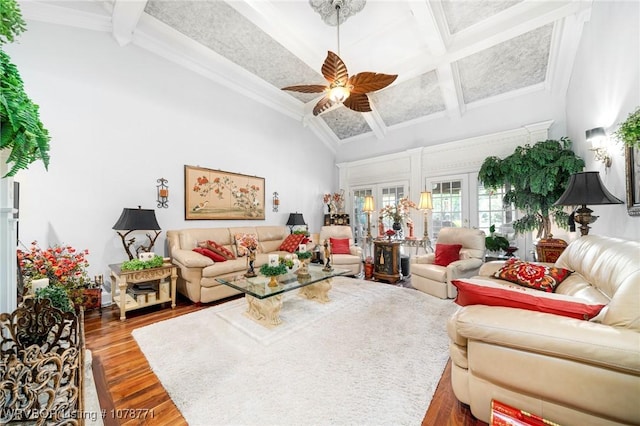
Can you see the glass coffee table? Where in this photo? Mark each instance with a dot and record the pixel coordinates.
(264, 303)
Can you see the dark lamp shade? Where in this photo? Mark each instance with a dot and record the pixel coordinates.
(137, 219)
(593, 134)
(295, 219)
(586, 188)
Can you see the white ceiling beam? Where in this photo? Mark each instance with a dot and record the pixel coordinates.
(55, 14)
(125, 17)
(450, 90)
(375, 122)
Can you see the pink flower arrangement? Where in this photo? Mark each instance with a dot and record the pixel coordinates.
(399, 212)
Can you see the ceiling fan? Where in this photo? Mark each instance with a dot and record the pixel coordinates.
(350, 91)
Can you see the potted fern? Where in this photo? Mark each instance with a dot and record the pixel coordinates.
(23, 134)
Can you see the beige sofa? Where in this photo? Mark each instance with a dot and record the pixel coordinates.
(567, 370)
(197, 273)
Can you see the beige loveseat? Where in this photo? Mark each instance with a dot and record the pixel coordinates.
(570, 371)
(197, 273)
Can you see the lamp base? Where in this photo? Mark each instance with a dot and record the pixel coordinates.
(584, 218)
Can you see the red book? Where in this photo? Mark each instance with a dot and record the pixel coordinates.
(505, 415)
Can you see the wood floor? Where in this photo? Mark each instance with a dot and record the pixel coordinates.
(130, 393)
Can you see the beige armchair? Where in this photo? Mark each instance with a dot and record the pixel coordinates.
(351, 261)
(436, 280)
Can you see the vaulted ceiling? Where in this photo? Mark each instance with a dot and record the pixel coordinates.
(449, 54)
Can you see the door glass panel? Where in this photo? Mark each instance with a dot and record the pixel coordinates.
(491, 211)
(447, 204)
(359, 223)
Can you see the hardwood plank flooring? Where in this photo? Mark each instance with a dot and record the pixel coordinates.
(131, 394)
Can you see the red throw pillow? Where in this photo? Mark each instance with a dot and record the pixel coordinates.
(540, 277)
(210, 254)
(339, 245)
(220, 249)
(292, 242)
(447, 253)
(479, 292)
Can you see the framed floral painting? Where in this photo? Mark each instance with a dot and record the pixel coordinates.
(217, 195)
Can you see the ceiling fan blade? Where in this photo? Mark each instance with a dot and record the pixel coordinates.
(306, 88)
(322, 105)
(358, 102)
(334, 70)
(366, 82)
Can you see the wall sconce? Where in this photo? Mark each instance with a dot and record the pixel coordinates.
(598, 138)
(276, 202)
(163, 193)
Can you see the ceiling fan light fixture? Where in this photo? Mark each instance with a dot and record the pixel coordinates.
(339, 94)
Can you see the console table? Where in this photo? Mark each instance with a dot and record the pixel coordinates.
(124, 279)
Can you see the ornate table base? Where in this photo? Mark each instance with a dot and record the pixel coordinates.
(266, 312)
(318, 291)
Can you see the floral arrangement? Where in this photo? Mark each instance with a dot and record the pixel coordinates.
(63, 265)
(335, 201)
(629, 130)
(399, 212)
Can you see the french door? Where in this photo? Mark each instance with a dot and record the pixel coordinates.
(452, 206)
(384, 194)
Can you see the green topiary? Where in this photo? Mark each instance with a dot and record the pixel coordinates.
(271, 271)
(303, 254)
(535, 177)
(59, 297)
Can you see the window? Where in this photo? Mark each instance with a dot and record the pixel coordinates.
(447, 204)
(491, 211)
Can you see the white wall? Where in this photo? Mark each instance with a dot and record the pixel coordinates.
(604, 89)
(120, 118)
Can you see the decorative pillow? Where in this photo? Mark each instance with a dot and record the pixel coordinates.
(220, 249)
(339, 245)
(480, 292)
(244, 242)
(532, 275)
(210, 254)
(447, 253)
(292, 242)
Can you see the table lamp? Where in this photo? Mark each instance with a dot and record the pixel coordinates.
(368, 208)
(137, 220)
(294, 220)
(585, 188)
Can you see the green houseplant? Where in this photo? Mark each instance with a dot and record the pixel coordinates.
(22, 131)
(629, 130)
(535, 177)
(495, 242)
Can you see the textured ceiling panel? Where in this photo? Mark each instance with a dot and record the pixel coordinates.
(345, 123)
(463, 14)
(218, 26)
(411, 99)
(513, 64)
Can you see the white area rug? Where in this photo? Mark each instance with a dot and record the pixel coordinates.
(373, 356)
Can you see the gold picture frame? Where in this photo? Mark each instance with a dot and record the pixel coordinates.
(218, 195)
(632, 168)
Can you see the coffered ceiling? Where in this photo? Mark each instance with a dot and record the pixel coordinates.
(449, 54)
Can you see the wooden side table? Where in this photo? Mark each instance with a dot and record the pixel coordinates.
(167, 274)
(386, 260)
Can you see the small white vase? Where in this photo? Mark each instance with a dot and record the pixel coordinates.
(38, 284)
